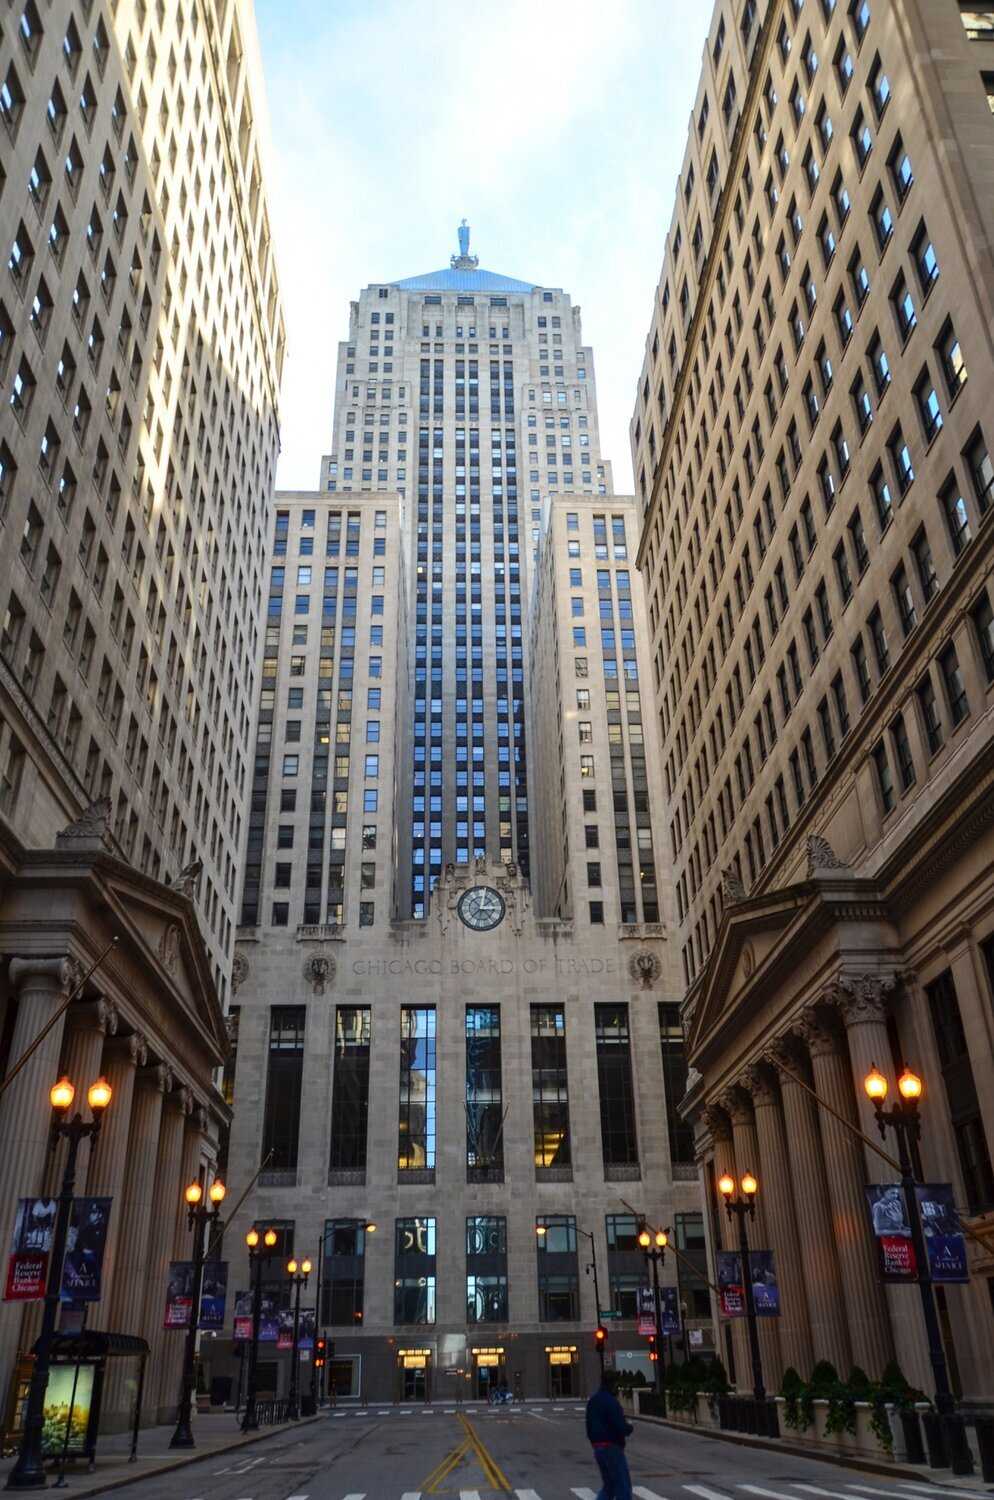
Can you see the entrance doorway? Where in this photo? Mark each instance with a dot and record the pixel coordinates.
(562, 1371)
(342, 1375)
(414, 1374)
(489, 1372)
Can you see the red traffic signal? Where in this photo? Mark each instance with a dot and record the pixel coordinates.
(652, 1348)
(320, 1346)
(600, 1336)
(319, 1363)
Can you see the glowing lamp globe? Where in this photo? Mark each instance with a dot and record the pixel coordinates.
(662, 1239)
(749, 1184)
(193, 1194)
(305, 1266)
(218, 1191)
(726, 1185)
(875, 1085)
(98, 1095)
(252, 1238)
(62, 1094)
(909, 1085)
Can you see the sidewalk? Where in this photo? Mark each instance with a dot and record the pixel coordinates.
(215, 1434)
(972, 1484)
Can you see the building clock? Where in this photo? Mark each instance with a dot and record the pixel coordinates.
(481, 908)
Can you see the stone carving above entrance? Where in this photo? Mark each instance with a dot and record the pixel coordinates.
(732, 888)
(169, 947)
(91, 827)
(239, 971)
(821, 855)
(319, 971)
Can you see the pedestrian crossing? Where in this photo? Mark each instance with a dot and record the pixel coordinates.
(672, 1490)
(522, 1409)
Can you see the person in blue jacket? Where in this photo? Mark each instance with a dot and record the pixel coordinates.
(607, 1430)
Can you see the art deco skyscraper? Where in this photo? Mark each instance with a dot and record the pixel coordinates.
(472, 395)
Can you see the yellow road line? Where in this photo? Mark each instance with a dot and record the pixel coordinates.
(495, 1476)
(443, 1469)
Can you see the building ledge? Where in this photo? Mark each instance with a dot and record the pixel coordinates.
(346, 1177)
(321, 932)
(277, 1179)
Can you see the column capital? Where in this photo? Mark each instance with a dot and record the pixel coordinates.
(156, 1076)
(759, 1080)
(182, 1099)
(784, 1053)
(63, 973)
(817, 1034)
(199, 1118)
(132, 1048)
(862, 999)
(717, 1123)
(93, 1015)
(737, 1105)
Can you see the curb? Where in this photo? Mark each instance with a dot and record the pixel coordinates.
(137, 1474)
(797, 1450)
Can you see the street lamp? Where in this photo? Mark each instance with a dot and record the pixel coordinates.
(198, 1217)
(250, 1421)
(299, 1274)
(653, 1247)
(744, 1206)
(903, 1118)
(600, 1337)
(28, 1472)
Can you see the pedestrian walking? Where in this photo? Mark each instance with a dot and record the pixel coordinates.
(607, 1429)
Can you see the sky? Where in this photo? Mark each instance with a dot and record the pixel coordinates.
(557, 129)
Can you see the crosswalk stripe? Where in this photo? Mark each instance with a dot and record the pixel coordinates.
(296, 1497)
(815, 1489)
(361, 1495)
(469, 1495)
(908, 1487)
(527, 1495)
(411, 1495)
(704, 1492)
(644, 1494)
(583, 1494)
(757, 1489)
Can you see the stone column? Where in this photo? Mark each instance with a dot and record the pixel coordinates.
(826, 1307)
(88, 1023)
(166, 1393)
(738, 1106)
(122, 1057)
(127, 1295)
(865, 1305)
(167, 1194)
(862, 1003)
(724, 1161)
(42, 985)
(778, 1199)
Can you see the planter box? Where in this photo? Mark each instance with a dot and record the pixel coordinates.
(863, 1442)
(699, 1415)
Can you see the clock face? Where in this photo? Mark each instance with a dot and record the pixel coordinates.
(481, 908)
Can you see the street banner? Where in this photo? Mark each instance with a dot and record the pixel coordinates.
(284, 1338)
(27, 1267)
(669, 1309)
(243, 1316)
(213, 1291)
(82, 1268)
(269, 1319)
(945, 1243)
(765, 1288)
(646, 1311)
(305, 1334)
(892, 1232)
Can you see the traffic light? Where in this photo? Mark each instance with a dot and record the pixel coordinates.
(319, 1352)
(600, 1336)
(652, 1348)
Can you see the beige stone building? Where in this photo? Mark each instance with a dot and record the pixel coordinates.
(510, 1061)
(141, 343)
(812, 445)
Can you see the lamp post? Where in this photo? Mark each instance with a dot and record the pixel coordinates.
(198, 1216)
(653, 1247)
(299, 1274)
(600, 1337)
(744, 1207)
(903, 1118)
(28, 1472)
(250, 1421)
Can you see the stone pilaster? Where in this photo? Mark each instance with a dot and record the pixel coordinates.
(862, 1001)
(724, 1161)
(87, 1025)
(826, 1307)
(865, 1305)
(778, 1199)
(42, 986)
(166, 1391)
(127, 1292)
(122, 1056)
(738, 1106)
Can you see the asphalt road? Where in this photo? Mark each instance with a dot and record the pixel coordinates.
(536, 1452)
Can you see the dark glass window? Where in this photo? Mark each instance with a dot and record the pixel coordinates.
(350, 1089)
(614, 1075)
(484, 1104)
(414, 1270)
(558, 1290)
(550, 1092)
(671, 1040)
(343, 1272)
(692, 1266)
(416, 1138)
(486, 1270)
(281, 1125)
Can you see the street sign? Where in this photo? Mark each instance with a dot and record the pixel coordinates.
(608, 1313)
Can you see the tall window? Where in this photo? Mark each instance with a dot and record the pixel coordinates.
(281, 1125)
(961, 1094)
(343, 1272)
(619, 1141)
(550, 1093)
(350, 1093)
(625, 1266)
(416, 1134)
(671, 1041)
(692, 1266)
(414, 1271)
(484, 1107)
(558, 1292)
(486, 1270)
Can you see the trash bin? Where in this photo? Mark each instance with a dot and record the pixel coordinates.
(960, 1456)
(935, 1440)
(985, 1442)
(912, 1430)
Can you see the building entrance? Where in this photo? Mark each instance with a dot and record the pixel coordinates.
(414, 1374)
(561, 1368)
(489, 1372)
